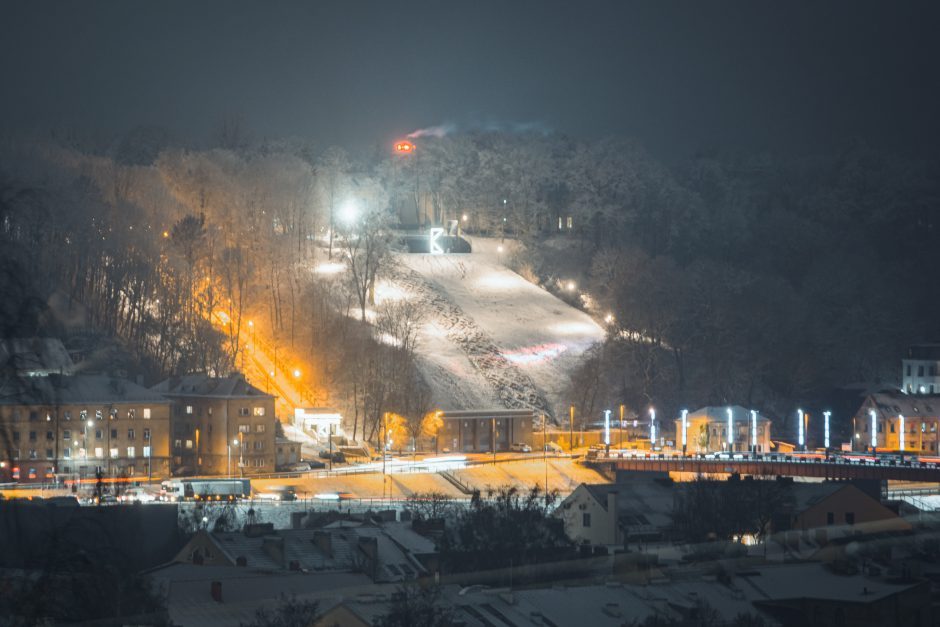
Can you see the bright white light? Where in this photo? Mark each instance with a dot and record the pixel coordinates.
(799, 418)
(332, 267)
(434, 237)
(499, 249)
(571, 286)
(730, 429)
(296, 373)
(609, 318)
(901, 421)
(607, 427)
(754, 429)
(826, 415)
(685, 427)
(464, 217)
(327, 496)
(348, 213)
(574, 328)
(874, 428)
(652, 426)
(499, 281)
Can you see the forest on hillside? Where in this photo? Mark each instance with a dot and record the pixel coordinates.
(722, 279)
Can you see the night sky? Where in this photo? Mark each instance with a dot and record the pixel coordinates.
(678, 76)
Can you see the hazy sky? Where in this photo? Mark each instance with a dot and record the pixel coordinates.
(678, 76)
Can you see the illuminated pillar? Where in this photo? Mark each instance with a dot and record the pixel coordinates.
(730, 430)
(874, 428)
(753, 431)
(652, 426)
(607, 427)
(685, 428)
(826, 415)
(801, 439)
(901, 435)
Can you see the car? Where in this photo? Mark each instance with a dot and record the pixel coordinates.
(520, 447)
(552, 447)
(301, 467)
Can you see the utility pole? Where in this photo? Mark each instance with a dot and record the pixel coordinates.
(545, 458)
(571, 428)
(622, 409)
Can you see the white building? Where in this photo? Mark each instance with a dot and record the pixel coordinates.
(319, 422)
(920, 370)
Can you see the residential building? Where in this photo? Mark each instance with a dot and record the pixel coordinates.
(707, 430)
(220, 425)
(920, 431)
(822, 512)
(638, 509)
(288, 452)
(920, 369)
(480, 431)
(63, 426)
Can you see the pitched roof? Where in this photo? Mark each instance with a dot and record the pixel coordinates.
(890, 404)
(641, 504)
(202, 385)
(35, 355)
(75, 389)
(720, 414)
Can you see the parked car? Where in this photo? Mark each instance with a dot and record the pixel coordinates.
(338, 456)
(520, 447)
(552, 447)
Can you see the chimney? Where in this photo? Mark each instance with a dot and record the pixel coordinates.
(324, 541)
(215, 590)
(273, 547)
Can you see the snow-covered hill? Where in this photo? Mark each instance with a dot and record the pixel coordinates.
(490, 338)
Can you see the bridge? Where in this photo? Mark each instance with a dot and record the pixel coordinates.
(762, 467)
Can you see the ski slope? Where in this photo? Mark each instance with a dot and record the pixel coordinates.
(489, 337)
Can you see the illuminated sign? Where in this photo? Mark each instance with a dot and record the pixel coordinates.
(434, 237)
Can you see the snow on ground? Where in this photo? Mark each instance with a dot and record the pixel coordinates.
(490, 337)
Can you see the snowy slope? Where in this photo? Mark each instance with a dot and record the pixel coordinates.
(490, 337)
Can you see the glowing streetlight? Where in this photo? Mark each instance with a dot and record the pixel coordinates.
(348, 213)
(800, 438)
(652, 426)
(730, 430)
(571, 286)
(464, 217)
(874, 429)
(685, 429)
(404, 148)
(609, 318)
(901, 435)
(754, 431)
(826, 415)
(296, 373)
(607, 427)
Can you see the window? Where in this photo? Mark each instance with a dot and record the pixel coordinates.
(259, 428)
(189, 409)
(114, 453)
(933, 370)
(67, 435)
(32, 453)
(146, 413)
(50, 436)
(259, 445)
(147, 434)
(32, 436)
(131, 452)
(146, 451)
(113, 414)
(830, 518)
(243, 411)
(177, 443)
(585, 520)
(114, 434)
(67, 453)
(258, 411)
(98, 434)
(33, 416)
(66, 415)
(49, 453)
(892, 427)
(850, 518)
(244, 429)
(570, 222)
(189, 443)
(908, 370)
(99, 451)
(130, 434)
(83, 415)
(98, 415)
(881, 427)
(16, 414)
(16, 436)
(920, 371)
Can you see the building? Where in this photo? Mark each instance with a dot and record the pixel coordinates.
(825, 511)
(288, 452)
(480, 431)
(635, 510)
(915, 417)
(220, 425)
(920, 369)
(319, 422)
(707, 430)
(35, 357)
(74, 426)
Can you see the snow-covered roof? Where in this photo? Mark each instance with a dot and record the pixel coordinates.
(35, 356)
(202, 385)
(720, 414)
(76, 389)
(889, 405)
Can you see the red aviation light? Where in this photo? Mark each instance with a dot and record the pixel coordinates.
(404, 148)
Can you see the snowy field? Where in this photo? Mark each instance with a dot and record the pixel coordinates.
(490, 338)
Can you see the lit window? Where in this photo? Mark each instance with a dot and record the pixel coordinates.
(146, 412)
(244, 428)
(114, 453)
(131, 453)
(99, 451)
(570, 222)
(67, 453)
(259, 428)
(189, 443)
(83, 415)
(258, 411)
(146, 451)
(132, 413)
(189, 409)
(98, 414)
(147, 434)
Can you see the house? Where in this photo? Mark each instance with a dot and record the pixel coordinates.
(901, 422)
(822, 512)
(319, 422)
(707, 430)
(482, 431)
(631, 510)
(288, 452)
(75, 426)
(35, 357)
(920, 369)
(220, 421)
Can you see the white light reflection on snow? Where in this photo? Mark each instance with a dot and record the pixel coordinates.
(330, 267)
(535, 354)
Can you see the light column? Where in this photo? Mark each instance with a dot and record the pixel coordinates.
(901, 434)
(753, 431)
(801, 438)
(607, 427)
(685, 429)
(874, 429)
(730, 430)
(652, 427)
(826, 415)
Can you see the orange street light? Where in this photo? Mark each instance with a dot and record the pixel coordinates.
(404, 147)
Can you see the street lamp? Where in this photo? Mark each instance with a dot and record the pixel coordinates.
(874, 430)
(296, 373)
(730, 429)
(826, 416)
(652, 427)
(753, 431)
(800, 438)
(607, 429)
(901, 434)
(685, 430)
